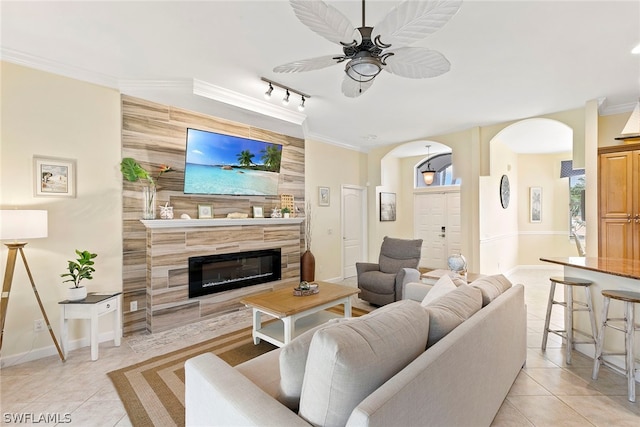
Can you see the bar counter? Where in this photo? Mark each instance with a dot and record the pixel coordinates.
(605, 273)
(614, 266)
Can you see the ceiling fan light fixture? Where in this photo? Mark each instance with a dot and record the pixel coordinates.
(285, 100)
(363, 67)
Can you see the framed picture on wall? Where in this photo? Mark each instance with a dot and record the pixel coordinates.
(387, 206)
(535, 204)
(54, 177)
(323, 196)
(205, 212)
(257, 212)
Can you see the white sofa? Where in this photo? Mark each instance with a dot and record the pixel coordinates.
(461, 380)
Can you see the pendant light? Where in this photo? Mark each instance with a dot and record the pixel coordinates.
(429, 174)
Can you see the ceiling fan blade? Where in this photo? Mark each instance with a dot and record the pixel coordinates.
(352, 88)
(413, 20)
(326, 20)
(308, 64)
(417, 63)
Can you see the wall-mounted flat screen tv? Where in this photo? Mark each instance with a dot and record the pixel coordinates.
(224, 164)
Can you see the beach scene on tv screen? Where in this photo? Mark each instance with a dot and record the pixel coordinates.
(223, 164)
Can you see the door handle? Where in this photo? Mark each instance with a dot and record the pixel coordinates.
(442, 235)
(629, 217)
(638, 219)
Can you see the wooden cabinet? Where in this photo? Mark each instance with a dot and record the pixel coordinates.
(619, 201)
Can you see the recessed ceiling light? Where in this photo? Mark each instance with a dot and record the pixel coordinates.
(636, 50)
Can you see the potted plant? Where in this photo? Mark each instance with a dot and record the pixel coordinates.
(133, 172)
(82, 268)
(286, 212)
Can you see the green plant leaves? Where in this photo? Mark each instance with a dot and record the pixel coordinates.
(132, 171)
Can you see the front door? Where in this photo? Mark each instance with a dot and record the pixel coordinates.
(437, 223)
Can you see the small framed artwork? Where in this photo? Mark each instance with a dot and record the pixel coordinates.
(257, 212)
(387, 206)
(54, 177)
(324, 196)
(205, 212)
(535, 201)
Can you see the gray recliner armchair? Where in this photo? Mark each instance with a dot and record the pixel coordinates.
(382, 283)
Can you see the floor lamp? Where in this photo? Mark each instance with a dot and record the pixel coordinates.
(19, 225)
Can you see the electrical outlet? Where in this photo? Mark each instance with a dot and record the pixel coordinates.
(39, 325)
(133, 306)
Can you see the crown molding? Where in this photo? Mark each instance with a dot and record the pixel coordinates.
(133, 86)
(321, 138)
(608, 110)
(55, 67)
(220, 94)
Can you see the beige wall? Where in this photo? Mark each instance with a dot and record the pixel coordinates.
(550, 237)
(330, 166)
(47, 115)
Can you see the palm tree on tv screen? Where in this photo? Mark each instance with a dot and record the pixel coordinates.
(245, 158)
(271, 157)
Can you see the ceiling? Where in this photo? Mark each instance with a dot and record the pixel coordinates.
(509, 60)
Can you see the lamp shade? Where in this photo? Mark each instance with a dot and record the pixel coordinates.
(428, 176)
(23, 224)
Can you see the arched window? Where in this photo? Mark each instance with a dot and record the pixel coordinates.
(441, 163)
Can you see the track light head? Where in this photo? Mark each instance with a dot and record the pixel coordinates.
(285, 100)
(301, 106)
(267, 94)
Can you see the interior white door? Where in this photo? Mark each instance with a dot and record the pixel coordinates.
(354, 225)
(437, 223)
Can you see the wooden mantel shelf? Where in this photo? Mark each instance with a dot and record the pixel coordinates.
(217, 222)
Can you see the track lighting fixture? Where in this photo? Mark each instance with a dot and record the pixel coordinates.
(267, 94)
(429, 174)
(288, 91)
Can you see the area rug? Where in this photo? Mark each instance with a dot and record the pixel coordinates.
(153, 391)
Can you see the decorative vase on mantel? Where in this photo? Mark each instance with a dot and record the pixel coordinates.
(149, 202)
(307, 267)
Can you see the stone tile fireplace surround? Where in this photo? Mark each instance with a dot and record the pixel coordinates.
(155, 257)
(171, 243)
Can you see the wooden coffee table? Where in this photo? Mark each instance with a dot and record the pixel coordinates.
(308, 311)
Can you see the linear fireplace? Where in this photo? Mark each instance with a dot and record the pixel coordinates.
(218, 273)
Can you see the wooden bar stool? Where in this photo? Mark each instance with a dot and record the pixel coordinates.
(569, 307)
(628, 327)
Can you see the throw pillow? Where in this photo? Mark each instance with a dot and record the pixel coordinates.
(443, 286)
(451, 310)
(491, 287)
(292, 360)
(349, 361)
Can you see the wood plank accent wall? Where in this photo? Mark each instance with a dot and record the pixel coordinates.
(155, 135)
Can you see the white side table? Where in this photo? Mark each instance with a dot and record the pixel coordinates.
(92, 307)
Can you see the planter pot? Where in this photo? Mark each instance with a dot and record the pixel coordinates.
(285, 215)
(77, 294)
(307, 267)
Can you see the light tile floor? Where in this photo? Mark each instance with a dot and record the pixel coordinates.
(546, 393)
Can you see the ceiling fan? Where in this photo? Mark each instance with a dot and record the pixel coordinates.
(369, 50)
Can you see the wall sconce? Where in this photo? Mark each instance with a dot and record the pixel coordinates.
(429, 174)
(288, 91)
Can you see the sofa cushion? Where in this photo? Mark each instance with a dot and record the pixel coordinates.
(348, 361)
(491, 287)
(443, 286)
(450, 310)
(378, 282)
(292, 361)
